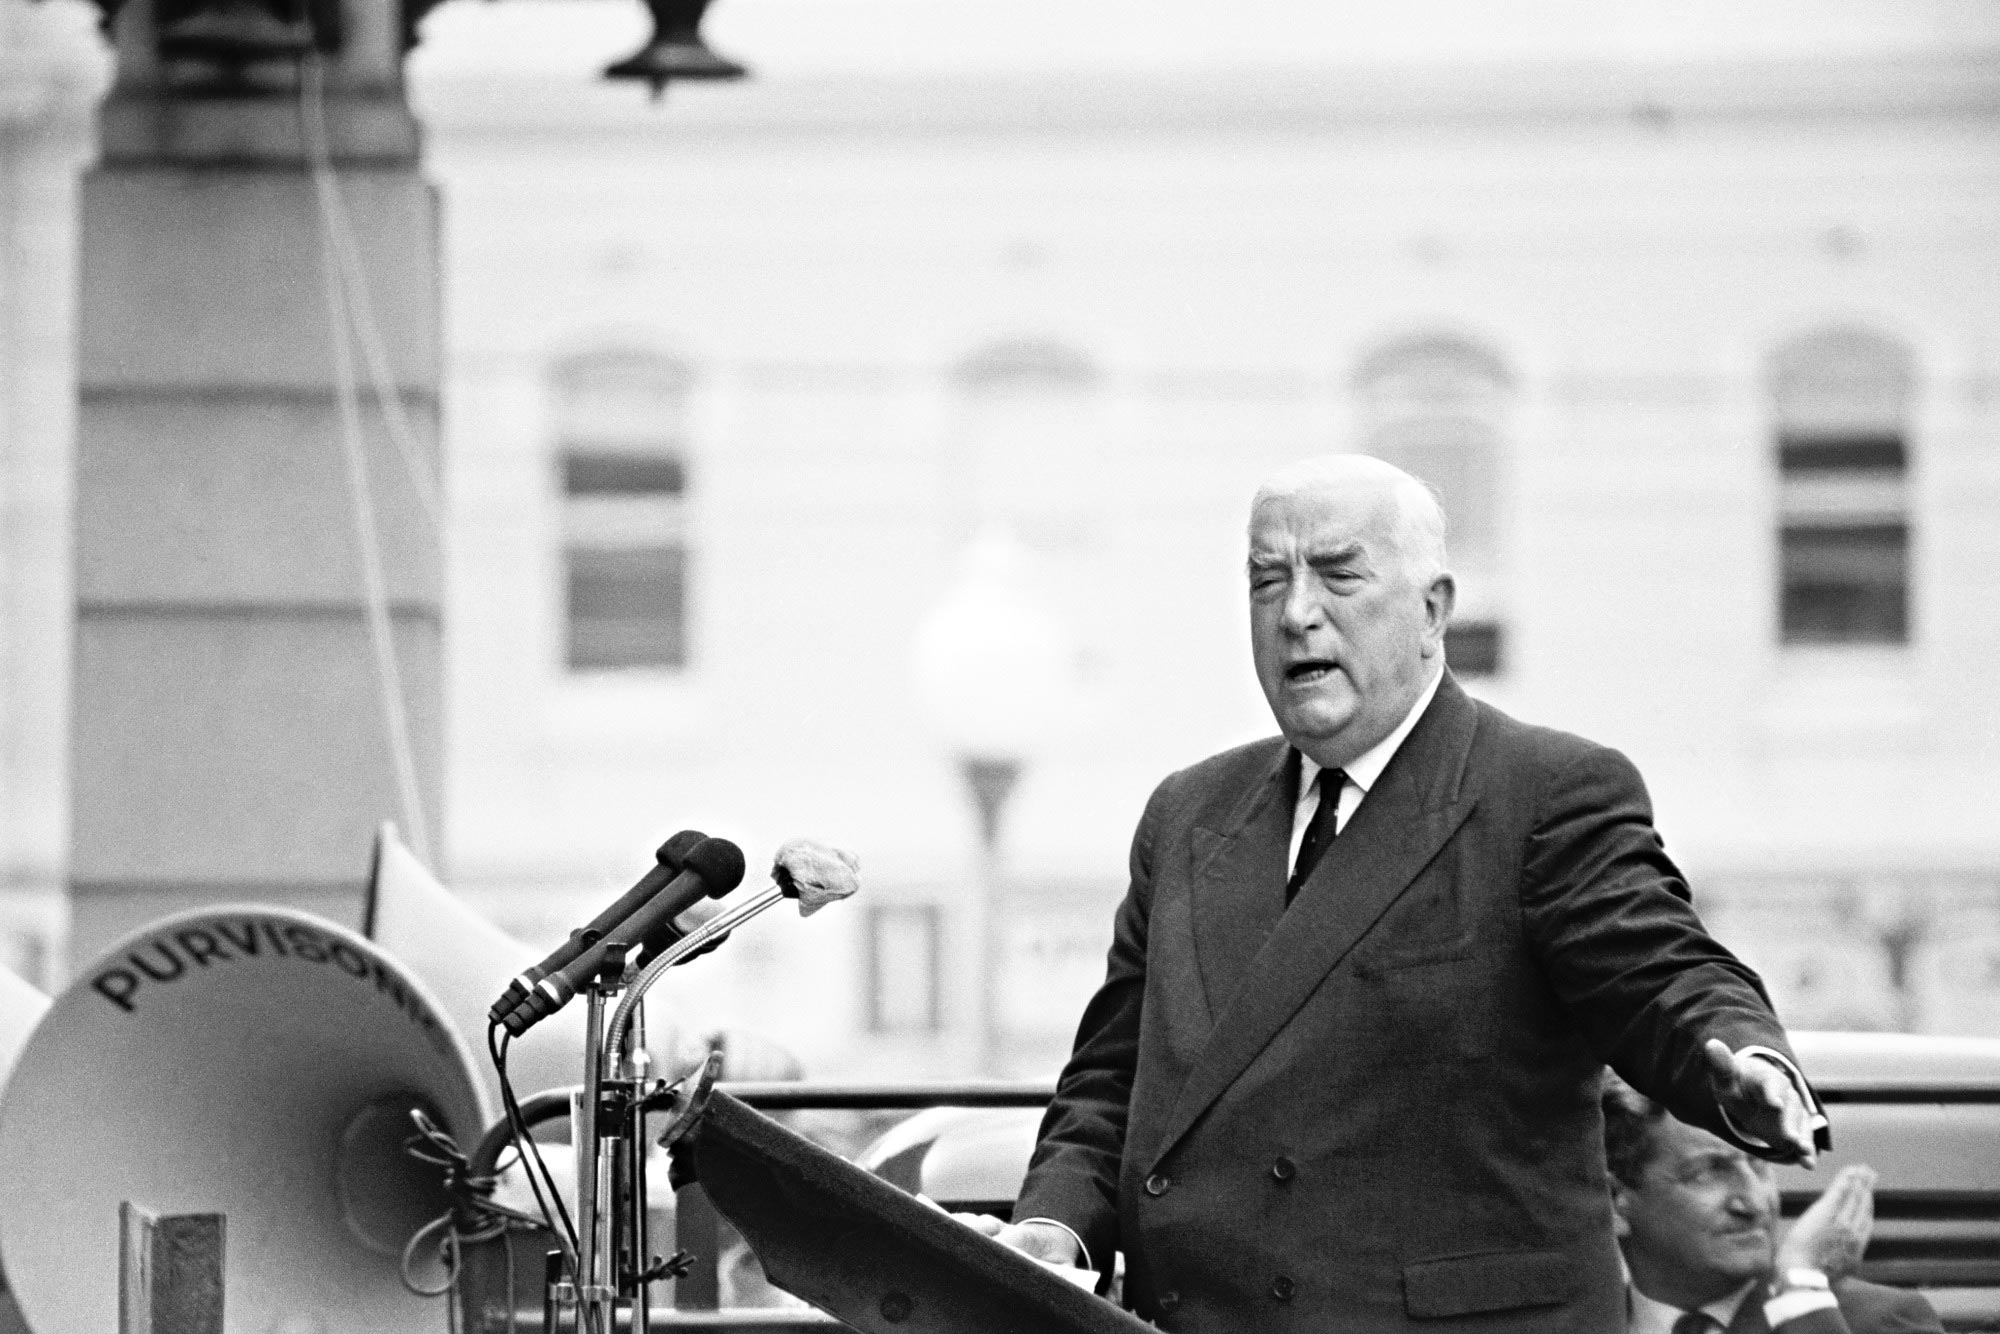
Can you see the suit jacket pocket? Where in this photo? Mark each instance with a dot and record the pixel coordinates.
(1384, 963)
(1491, 1281)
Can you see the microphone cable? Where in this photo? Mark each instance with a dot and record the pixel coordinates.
(530, 1156)
(474, 1217)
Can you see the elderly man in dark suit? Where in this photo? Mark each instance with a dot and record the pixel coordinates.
(1698, 1223)
(1343, 1070)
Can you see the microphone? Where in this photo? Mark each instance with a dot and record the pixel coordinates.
(671, 855)
(809, 873)
(670, 933)
(712, 869)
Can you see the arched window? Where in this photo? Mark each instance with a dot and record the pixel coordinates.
(1027, 426)
(620, 419)
(1840, 403)
(1434, 405)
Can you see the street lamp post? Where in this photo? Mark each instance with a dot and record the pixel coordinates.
(992, 675)
(990, 781)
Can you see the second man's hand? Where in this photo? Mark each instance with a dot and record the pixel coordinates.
(1832, 1234)
(1759, 1099)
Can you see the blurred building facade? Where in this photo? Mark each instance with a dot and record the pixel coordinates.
(1698, 345)
(1694, 329)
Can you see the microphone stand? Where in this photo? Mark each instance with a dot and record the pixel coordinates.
(630, 1172)
(594, 1297)
(608, 1119)
(608, 1128)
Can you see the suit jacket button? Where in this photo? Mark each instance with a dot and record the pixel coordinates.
(1157, 1184)
(1282, 1288)
(1283, 1168)
(1169, 1300)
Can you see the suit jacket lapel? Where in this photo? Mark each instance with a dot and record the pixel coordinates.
(1412, 811)
(1239, 877)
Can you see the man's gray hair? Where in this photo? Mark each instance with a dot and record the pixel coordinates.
(1419, 518)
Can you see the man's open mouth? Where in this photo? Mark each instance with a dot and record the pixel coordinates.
(1311, 669)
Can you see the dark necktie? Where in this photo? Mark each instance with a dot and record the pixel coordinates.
(1695, 1322)
(1319, 830)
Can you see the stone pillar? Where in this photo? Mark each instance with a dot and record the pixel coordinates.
(229, 735)
(52, 70)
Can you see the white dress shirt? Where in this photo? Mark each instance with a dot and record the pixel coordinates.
(1361, 773)
(1651, 1317)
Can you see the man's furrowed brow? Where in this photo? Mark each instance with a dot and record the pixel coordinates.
(1266, 562)
(1346, 553)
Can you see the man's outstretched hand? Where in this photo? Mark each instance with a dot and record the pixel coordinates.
(1833, 1231)
(1037, 1241)
(1761, 1102)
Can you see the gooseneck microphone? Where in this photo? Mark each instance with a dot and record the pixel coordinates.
(711, 869)
(672, 855)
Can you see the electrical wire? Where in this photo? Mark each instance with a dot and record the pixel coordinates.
(375, 358)
(530, 1155)
(472, 1218)
(556, 1216)
(388, 673)
(530, 1158)
(367, 330)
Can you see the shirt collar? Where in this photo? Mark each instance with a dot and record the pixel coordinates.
(1651, 1317)
(1366, 767)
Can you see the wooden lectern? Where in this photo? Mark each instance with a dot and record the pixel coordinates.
(861, 1249)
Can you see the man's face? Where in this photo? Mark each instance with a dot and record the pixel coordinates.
(1340, 626)
(1703, 1219)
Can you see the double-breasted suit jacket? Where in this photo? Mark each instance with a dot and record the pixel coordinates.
(1376, 1109)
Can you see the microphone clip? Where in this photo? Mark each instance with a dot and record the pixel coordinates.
(612, 973)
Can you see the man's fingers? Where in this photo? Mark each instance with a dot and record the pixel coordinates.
(1762, 1099)
(1857, 1179)
(984, 1224)
(1856, 1185)
(1041, 1240)
(1775, 1091)
(1721, 1063)
(1798, 1129)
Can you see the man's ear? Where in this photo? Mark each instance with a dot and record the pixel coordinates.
(1621, 1203)
(1439, 598)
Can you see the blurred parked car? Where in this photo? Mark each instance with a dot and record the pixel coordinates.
(1923, 1111)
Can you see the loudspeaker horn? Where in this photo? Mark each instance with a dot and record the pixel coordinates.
(467, 961)
(22, 1005)
(245, 1060)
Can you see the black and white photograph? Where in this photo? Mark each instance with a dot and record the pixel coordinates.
(999, 666)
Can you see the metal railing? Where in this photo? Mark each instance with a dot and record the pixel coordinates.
(1946, 1241)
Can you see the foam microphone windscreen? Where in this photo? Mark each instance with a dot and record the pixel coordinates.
(674, 852)
(815, 874)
